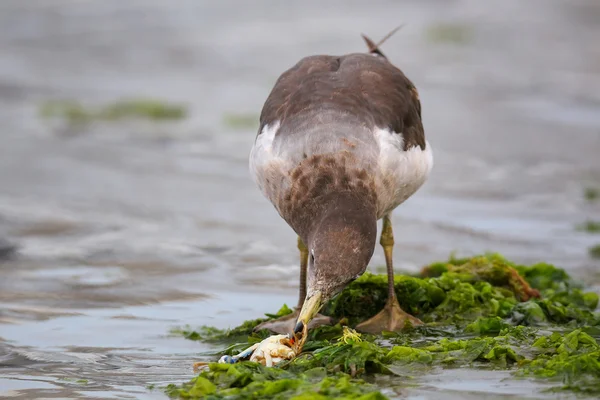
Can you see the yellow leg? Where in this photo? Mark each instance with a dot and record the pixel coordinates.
(303, 267)
(392, 317)
(387, 242)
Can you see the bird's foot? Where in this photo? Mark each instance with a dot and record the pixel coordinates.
(286, 324)
(391, 318)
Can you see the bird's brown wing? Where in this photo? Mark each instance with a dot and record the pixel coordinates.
(277, 105)
(362, 88)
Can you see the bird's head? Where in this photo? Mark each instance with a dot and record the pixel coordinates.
(340, 248)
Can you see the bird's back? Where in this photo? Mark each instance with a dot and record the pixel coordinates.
(331, 124)
(357, 88)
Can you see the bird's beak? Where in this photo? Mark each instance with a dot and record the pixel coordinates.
(310, 308)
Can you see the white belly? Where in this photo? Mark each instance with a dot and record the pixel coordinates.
(401, 172)
(397, 173)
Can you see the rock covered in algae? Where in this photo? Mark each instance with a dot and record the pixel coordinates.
(475, 316)
(492, 269)
(462, 290)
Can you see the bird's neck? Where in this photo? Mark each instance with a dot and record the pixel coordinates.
(341, 211)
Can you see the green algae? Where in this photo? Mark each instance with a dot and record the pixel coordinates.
(487, 325)
(241, 121)
(75, 113)
(152, 109)
(475, 316)
(364, 297)
(544, 276)
(493, 269)
(449, 33)
(591, 194)
(589, 226)
(458, 291)
(75, 380)
(573, 359)
(248, 380)
(594, 251)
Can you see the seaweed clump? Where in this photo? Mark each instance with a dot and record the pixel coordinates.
(573, 359)
(594, 251)
(460, 291)
(248, 380)
(75, 113)
(306, 377)
(589, 226)
(591, 194)
(483, 312)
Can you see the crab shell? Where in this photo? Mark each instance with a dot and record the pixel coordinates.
(274, 350)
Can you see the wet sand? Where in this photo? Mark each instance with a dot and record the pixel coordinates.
(123, 230)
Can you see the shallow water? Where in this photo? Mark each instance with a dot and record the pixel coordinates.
(124, 230)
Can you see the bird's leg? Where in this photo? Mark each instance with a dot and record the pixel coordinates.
(303, 267)
(285, 324)
(392, 317)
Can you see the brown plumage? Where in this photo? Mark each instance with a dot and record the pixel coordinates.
(371, 91)
(340, 145)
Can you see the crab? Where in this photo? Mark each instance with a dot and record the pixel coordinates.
(269, 352)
